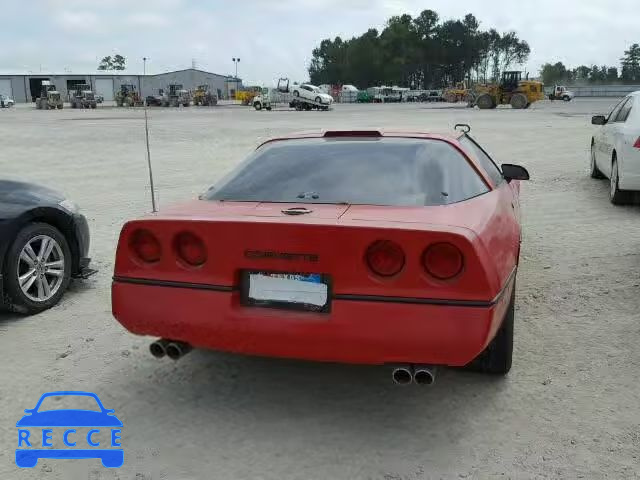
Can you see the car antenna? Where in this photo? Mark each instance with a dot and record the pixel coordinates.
(146, 131)
(463, 127)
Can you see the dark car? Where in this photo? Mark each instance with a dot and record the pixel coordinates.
(154, 100)
(44, 242)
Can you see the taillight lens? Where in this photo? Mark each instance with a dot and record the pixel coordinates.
(443, 261)
(385, 258)
(637, 144)
(145, 246)
(190, 249)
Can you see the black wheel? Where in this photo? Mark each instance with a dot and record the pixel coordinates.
(566, 98)
(617, 196)
(496, 359)
(37, 269)
(318, 100)
(257, 106)
(485, 102)
(296, 93)
(268, 109)
(595, 172)
(519, 101)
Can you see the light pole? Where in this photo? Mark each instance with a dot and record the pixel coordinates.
(236, 61)
(146, 131)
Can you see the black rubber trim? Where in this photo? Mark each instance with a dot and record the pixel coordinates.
(430, 301)
(170, 284)
(416, 301)
(345, 297)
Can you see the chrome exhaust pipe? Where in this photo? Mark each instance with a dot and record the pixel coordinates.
(402, 375)
(424, 375)
(177, 350)
(159, 348)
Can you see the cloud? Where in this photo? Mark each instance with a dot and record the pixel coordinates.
(77, 21)
(276, 38)
(150, 19)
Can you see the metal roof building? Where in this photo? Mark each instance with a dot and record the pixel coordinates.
(26, 87)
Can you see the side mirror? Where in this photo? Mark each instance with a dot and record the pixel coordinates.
(514, 172)
(598, 120)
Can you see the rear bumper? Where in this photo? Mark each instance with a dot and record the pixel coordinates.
(356, 331)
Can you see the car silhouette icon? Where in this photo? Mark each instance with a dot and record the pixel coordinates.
(105, 418)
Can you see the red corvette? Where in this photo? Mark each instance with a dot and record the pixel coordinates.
(350, 246)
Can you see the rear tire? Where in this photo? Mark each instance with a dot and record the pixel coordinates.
(595, 172)
(16, 298)
(318, 100)
(617, 196)
(497, 358)
(485, 102)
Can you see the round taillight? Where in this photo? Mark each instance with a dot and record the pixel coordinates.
(443, 261)
(385, 258)
(145, 246)
(190, 249)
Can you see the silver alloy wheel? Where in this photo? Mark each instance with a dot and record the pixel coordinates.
(40, 268)
(614, 179)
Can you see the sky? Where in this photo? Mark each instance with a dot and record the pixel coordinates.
(275, 39)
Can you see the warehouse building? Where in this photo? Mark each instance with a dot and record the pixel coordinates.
(26, 87)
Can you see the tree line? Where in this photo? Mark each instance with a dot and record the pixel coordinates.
(420, 52)
(628, 73)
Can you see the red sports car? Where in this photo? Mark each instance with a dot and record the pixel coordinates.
(343, 246)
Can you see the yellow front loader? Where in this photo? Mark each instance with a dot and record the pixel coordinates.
(511, 90)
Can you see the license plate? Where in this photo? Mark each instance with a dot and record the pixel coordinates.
(296, 291)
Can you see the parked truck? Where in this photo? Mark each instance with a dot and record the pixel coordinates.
(289, 95)
(561, 92)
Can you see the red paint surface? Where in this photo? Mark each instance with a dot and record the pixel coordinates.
(486, 230)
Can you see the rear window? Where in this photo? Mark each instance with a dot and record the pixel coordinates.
(381, 171)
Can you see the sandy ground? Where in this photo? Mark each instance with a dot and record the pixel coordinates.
(569, 408)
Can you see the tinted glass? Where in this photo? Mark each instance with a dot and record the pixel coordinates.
(623, 114)
(485, 161)
(387, 171)
(614, 113)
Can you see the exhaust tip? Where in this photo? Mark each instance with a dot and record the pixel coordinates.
(158, 349)
(176, 350)
(424, 377)
(402, 376)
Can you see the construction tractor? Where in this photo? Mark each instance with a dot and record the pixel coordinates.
(82, 97)
(204, 96)
(128, 96)
(511, 90)
(49, 97)
(175, 96)
(247, 95)
(458, 93)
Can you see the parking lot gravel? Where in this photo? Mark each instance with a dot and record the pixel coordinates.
(568, 409)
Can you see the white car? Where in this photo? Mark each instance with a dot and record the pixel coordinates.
(615, 149)
(311, 92)
(6, 102)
